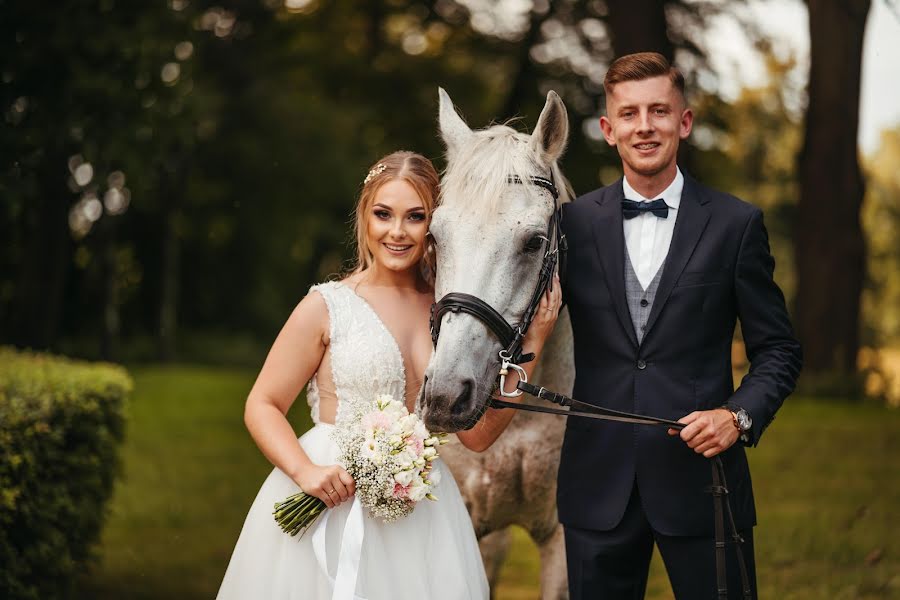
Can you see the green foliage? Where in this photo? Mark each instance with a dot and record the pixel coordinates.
(881, 220)
(749, 148)
(61, 425)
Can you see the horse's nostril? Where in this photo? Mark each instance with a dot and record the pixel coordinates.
(460, 409)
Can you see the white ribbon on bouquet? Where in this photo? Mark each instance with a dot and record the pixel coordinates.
(344, 582)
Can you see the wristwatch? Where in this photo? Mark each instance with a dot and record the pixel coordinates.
(742, 421)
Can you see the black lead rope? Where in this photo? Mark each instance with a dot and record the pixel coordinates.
(718, 489)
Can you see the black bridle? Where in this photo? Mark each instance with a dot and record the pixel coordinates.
(511, 357)
(511, 335)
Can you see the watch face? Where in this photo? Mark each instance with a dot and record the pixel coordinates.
(743, 419)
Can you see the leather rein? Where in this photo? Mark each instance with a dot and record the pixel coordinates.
(511, 357)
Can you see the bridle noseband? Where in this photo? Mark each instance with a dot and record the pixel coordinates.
(511, 335)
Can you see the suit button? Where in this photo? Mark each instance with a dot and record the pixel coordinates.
(644, 302)
(641, 364)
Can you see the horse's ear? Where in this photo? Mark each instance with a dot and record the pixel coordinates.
(552, 131)
(454, 130)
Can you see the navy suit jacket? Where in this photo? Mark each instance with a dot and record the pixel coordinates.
(718, 269)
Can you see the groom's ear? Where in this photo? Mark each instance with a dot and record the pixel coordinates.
(454, 130)
(552, 130)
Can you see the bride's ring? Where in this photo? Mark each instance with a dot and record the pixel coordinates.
(329, 492)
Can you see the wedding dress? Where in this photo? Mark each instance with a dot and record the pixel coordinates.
(349, 554)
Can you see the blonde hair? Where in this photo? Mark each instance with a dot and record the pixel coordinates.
(417, 171)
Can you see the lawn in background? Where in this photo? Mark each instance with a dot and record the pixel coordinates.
(825, 476)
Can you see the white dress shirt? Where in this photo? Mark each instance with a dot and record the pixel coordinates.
(647, 236)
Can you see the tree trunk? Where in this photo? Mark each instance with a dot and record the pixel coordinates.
(34, 321)
(173, 183)
(524, 80)
(168, 300)
(829, 245)
(109, 341)
(639, 26)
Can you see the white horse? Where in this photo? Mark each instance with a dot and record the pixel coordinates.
(484, 230)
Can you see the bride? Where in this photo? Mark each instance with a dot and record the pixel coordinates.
(352, 339)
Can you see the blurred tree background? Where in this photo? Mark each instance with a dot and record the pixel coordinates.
(175, 176)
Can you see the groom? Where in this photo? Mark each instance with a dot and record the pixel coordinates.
(660, 268)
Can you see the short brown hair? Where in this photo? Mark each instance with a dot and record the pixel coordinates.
(414, 169)
(639, 66)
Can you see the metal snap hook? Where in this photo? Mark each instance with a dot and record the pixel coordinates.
(505, 366)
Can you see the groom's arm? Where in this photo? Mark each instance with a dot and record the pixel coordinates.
(772, 349)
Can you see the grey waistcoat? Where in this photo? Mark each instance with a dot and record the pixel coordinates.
(640, 301)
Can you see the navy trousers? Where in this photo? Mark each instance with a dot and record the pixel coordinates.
(613, 565)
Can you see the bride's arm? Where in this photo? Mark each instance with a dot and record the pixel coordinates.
(292, 361)
(480, 437)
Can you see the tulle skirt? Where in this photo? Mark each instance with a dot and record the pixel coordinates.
(430, 554)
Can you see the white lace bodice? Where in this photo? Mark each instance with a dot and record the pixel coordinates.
(365, 358)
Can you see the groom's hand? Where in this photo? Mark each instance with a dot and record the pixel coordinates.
(708, 432)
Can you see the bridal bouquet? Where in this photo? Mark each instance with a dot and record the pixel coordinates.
(388, 452)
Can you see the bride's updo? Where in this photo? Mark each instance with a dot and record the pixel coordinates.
(418, 172)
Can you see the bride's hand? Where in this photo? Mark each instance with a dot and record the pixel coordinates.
(544, 318)
(331, 484)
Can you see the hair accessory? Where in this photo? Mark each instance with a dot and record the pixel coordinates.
(376, 170)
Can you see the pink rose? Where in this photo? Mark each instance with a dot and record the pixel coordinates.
(376, 420)
(417, 444)
(400, 491)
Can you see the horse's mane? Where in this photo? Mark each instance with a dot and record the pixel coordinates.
(476, 176)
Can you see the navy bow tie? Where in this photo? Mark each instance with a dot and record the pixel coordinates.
(631, 209)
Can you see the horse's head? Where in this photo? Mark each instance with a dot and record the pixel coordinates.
(490, 234)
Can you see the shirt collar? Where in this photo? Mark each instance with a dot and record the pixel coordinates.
(671, 195)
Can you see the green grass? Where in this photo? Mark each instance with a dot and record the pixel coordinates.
(191, 471)
(825, 476)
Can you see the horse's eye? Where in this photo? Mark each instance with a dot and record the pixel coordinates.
(534, 244)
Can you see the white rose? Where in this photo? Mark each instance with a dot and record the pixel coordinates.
(434, 477)
(406, 458)
(395, 410)
(420, 431)
(369, 451)
(417, 490)
(404, 477)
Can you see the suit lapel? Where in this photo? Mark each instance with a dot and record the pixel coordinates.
(609, 238)
(692, 220)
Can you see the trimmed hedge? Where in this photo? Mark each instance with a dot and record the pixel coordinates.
(61, 426)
